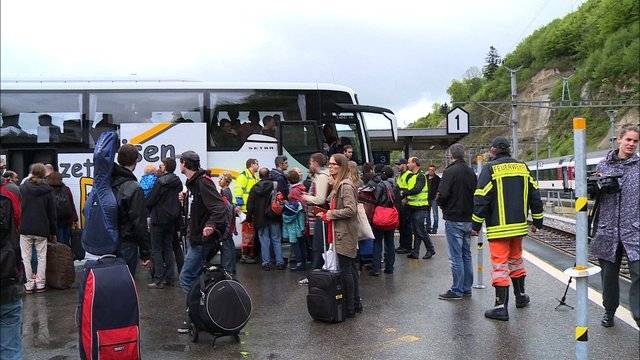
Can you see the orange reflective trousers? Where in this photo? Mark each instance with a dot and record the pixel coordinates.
(506, 260)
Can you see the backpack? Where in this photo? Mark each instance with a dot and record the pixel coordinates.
(63, 205)
(231, 219)
(276, 204)
(11, 267)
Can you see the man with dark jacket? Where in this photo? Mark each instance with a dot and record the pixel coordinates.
(164, 208)
(37, 225)
(207, 217)
(267, 225)
(456, 199)
(277, 175)
(132, 213)
(433, 181)
(12, 275)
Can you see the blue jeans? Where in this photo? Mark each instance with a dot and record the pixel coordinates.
(164, 261)
(298, 248)
(419, 221)
(434, 215)
(128, 251)
(11, 330)
(64, 234)
(386, 237)
(193, 264)
(271, 235)
(458, 238)
(228, 255)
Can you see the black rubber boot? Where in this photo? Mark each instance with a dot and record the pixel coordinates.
(607, 319)
(499, 311)
(522, 299)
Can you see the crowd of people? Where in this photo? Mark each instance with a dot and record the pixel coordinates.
(312, 213)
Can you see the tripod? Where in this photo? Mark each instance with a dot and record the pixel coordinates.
(564, 296)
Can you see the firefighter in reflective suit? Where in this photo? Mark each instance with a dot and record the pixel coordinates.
(505, 194)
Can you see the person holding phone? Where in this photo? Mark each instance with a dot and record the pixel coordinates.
(317, 197)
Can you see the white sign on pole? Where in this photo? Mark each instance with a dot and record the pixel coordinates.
(457, 121)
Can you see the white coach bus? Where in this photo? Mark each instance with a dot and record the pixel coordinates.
(58, 122)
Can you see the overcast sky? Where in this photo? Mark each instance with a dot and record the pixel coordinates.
(395, 54)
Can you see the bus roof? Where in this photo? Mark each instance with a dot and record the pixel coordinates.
(129, 84)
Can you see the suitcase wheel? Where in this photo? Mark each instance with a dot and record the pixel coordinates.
(193, 332)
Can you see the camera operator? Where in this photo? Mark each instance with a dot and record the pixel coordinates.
(618, 224)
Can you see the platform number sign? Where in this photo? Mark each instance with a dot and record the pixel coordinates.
(458, 121)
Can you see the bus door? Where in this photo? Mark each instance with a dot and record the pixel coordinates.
(20, 160)
(298, 140)
(347, 123)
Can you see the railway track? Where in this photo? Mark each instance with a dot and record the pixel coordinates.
(566, 242)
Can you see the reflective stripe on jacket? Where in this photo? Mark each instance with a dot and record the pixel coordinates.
(505, 193)
(420, 199)
(244, 182)
(401, 180)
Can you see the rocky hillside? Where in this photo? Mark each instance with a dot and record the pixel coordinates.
(597, 47)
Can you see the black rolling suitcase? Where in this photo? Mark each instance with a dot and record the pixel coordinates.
(218, 305)
(325, 300)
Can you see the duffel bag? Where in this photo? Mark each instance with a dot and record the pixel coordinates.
(60, 272)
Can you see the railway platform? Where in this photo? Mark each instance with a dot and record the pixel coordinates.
(402, 319)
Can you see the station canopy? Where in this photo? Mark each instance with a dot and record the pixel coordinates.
(412, 139)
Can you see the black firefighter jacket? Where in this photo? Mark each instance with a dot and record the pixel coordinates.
(506, 191)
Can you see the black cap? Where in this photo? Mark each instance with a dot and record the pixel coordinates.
(500, 142)
(402, 162)
(191, 156)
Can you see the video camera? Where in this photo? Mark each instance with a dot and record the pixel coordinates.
(603, 184)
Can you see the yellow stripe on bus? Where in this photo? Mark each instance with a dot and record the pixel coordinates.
(151, 133)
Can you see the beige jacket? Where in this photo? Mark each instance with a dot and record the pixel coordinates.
(345, 218)
(321, 181)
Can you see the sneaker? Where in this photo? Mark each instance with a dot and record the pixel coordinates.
(449, 295)
(466, 294)
(411, 256)
(28, 289)
(155, 286)
(304, 281)
(401, 250)
(266, 267)
(428, 255)
(41, 289)
(184, 329)
(281, 266)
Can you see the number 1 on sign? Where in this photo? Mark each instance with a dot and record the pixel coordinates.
(458, 121)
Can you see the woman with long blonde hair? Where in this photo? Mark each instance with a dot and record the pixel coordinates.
(342, 220)
(354, 175)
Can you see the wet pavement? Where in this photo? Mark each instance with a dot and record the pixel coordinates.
(402, 319)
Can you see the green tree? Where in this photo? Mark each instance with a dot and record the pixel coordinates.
(431, 120)
(492, 63)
